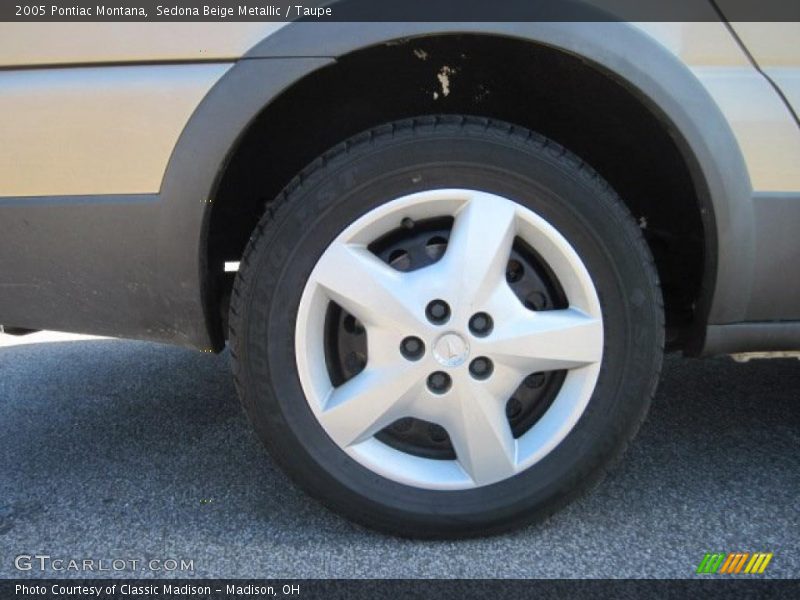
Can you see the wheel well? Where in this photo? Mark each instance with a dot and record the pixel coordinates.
(554, 93)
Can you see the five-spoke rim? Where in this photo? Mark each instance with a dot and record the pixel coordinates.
(449, 343)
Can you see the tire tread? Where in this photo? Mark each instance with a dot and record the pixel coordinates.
(275, 211)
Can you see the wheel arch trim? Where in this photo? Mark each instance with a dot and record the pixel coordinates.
(636, 60)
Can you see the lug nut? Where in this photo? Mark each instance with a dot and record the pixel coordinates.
(536, 301)
(437, 432)
(412, 348)
(534, 380)
(437, 311)
(439, 382)
(481, 368)
(514, 271)
(353, 325)
(513, 408)
(481, 324)
(355, 362)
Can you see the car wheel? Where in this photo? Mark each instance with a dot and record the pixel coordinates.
(446, 326)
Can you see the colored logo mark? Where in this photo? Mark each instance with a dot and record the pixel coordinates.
(734, 563)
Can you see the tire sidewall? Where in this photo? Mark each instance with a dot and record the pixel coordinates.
(571, 199)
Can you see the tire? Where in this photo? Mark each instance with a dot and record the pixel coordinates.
(309, 268)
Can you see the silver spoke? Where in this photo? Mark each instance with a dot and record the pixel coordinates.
(479, 247)
(366, 287)
(373, 399)
(481, 434)
(548, 341)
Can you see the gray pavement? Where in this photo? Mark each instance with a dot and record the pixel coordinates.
(128, 450)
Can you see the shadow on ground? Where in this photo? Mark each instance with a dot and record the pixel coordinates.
(127, 449)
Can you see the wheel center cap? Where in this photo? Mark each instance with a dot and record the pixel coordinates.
(451, 350)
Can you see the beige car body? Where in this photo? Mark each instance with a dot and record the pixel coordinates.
(66, 136)
(98, 110)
